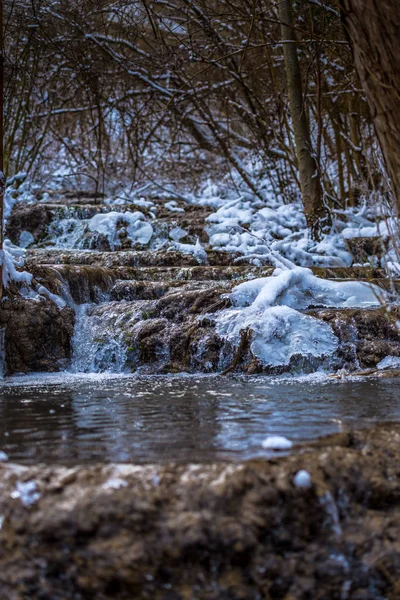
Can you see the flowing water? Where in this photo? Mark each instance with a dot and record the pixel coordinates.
(71, 419)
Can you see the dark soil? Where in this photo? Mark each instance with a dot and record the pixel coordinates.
(209, 532)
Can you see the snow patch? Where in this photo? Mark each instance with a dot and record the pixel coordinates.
(277, 442)
(27, 492)
(390, 362)
(11, 258)
(268, 308)
(195, 250)
(138, 230)
(114, 483)
(302, 479)
(172, 206)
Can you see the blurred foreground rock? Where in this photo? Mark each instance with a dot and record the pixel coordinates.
(209, 532)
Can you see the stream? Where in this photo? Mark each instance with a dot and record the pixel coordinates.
(79, 419)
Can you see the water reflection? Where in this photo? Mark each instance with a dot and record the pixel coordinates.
(178, 418)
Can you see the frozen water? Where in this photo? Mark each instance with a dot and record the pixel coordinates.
(278, 333)
(390, 362)
(268, 308)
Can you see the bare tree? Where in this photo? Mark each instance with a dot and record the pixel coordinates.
(373, 27)
(308, 168)
(2, 178)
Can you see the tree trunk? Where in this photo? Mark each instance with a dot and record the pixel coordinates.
(373, 27)
(2, 178)
(310, 185)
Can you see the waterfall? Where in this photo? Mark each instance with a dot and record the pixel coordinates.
(97, 345)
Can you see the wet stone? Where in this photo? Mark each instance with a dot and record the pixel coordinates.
(37, 335)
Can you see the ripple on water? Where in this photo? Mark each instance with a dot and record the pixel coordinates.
(73, 418)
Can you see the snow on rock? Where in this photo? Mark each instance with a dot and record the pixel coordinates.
(195, 250)
(43, 291)
(11, 258)
(278, 334)
(268, 308)
(389, 362)
(248, 227)
(277, 442)
(25, 239)
(172, 206)
(138, 230)
(177, 233)
(114, 483)
(302, 479)
(27, 492)
(299, 288)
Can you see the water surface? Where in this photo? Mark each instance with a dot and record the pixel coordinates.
(69, 420)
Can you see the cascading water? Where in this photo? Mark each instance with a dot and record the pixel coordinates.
(103, 336)
(97, 347)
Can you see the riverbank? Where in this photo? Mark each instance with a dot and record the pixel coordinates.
(253, 529)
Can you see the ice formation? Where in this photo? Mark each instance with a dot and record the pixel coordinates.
(389, 362)
(12, 257)
(195, 250)
(268, 308)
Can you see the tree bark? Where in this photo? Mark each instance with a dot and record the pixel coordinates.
(310, 184)
(2, 178)
(373, 27)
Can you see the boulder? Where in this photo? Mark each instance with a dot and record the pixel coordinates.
(37, 334)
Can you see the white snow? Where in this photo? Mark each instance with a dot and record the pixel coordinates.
(12, 257)
(248, 227)
(389, 362)
(27, 492)
(138, 230)
(177, 233)
(277, 442)
(56, 299)
(278, 333)
(114, 483)
(195, 250)
(25, 239)
(299, 288)
(3, 456)
(268, 308)
(172, 206)
(302, 479)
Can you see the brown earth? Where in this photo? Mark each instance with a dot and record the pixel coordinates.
(37, 335)
(209, 532)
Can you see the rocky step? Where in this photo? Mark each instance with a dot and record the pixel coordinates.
(173, 258)
(36, 218)
(152, 290)
(129, 258)
(91, 283)
(165, 329)
(83, 284)
(76, 198)
(176, 333)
